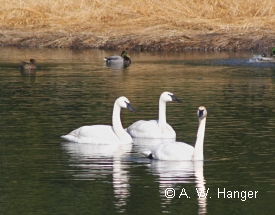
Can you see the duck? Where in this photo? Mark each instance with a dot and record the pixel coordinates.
(28, 66)
(155, 128)
(104, 134)
(180, 151)
(123, 58)
(265, 58)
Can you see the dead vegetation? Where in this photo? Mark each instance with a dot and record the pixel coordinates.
(141, 24)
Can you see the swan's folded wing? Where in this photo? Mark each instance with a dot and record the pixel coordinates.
(98, 134)
(144, 129)
(173, 151)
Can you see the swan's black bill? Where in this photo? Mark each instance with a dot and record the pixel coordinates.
(174, 98)
(200, 113)
(150, 156)
(129, 106)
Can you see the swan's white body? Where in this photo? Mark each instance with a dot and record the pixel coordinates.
(155, 128)
(178, 151)
(104, 134)
(151, 129)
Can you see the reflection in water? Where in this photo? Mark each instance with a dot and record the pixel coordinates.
(239, 141)
(172, 172)
(200, 185)
(99, 161)
(29, 73)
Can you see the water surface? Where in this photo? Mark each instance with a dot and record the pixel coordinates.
(42, 174)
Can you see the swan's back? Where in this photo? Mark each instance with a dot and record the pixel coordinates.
(144, 129)
(96, 134)
(172, 151)
(150, 129)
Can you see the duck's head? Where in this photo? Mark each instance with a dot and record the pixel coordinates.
(272, 53)
(125, 55)
(201, 113)
(33, 61)
(125, 103)
(169, 97)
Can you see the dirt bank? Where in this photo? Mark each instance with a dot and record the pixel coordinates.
(218, 41)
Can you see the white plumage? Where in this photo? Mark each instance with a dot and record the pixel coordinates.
(179, 150)
(104, 134)
(155, 128)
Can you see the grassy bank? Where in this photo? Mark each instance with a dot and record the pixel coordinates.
(141, 24)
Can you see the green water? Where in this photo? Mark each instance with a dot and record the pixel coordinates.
(42, 174)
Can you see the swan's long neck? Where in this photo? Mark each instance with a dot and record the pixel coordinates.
(117, 122)
(162, 114)
(198, 152)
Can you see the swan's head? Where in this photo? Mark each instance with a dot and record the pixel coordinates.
(125, 103)
(202, 113)
(169, 97)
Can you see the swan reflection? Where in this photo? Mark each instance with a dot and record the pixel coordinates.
(100, 161)
(173, 173)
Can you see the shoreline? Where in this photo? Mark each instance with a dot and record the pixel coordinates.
(212, 41)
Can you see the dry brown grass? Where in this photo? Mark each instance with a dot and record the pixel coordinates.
(126, 18)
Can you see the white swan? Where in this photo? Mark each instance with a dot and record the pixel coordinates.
(104, 134)
(182, 151)
(155, 128)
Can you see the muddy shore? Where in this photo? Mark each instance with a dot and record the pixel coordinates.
(217, 41)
